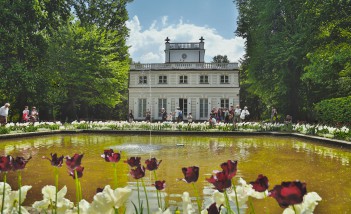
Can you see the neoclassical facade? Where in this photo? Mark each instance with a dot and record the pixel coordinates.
(184, 81)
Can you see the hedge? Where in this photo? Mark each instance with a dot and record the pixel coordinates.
(334, 111)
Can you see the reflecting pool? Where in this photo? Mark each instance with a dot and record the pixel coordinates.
(325, 169)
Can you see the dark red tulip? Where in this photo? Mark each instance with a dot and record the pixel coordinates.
(191, 174)
(230, 167)
(5, 163)
(19, 163)
(133, 161)
(73, 162)
(55, 161)
(138, 172)
(79, 170)
(261, 183)
(99, 190)
(213, 209)
(289, 193)
(151, 164)
(110, 156)
(160, 185)
(221, 181)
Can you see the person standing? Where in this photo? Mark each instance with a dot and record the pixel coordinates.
(244, 114)
(274, 115)
(25, 114)
(177, 114)
(131, 116)
(237, 113)
(4, 112)
(34, 115)
(163, 114)
(190, 118)
(148, 116)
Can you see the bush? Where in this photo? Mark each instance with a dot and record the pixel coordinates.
(4, 130)
(334, 111)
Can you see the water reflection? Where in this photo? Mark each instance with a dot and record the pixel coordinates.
(325, 169)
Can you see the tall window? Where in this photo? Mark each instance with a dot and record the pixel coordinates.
(183, 79)
(224, 79)
(203, 108)
(225, 103)
(142, 79)
(162, 79)
(142, 107)
(203, 79)
(183, 104)
(162, 103)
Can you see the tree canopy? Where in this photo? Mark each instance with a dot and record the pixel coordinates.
(220, 59)
(297, 53)
(68, 58)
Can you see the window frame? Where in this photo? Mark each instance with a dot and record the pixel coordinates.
(204, 79)
(162, 79)
(183, 79)
(224, 79)
(142, 79)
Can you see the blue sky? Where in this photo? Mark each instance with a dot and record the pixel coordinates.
(151, 21)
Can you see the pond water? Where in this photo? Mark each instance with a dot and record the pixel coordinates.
(325, 169)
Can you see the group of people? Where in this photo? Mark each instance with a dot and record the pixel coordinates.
(233, 115)
(177, 115)
(30, 116)
(27, 116)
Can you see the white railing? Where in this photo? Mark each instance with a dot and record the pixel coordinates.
(182, 66)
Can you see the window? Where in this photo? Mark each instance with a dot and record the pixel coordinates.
(162, 103)
(162, 79)
(203, 79)
(183, 104)
(224, 79)
(142, 108)
(142, 79)
(225, 103)
(203, 108)
(183, 79)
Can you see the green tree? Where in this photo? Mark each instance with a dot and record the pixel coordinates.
(328, 73)
(220, 59)
(87, 78)
(276, 47)
(70, 58)
(23, 29)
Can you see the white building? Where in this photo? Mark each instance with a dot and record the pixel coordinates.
(184, 81)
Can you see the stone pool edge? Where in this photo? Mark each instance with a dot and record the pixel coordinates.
(145, 132)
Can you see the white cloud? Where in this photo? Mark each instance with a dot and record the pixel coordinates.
(147, 46)
(164, 20)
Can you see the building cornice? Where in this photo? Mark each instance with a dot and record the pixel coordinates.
(184, 66)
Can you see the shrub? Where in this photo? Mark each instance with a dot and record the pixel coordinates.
(4, 130)
(334, 111)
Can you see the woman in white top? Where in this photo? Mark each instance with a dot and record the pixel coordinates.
(4, 111)
(244, 114)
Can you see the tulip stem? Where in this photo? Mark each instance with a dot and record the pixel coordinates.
(56, 185)
(77, 188)
(115, 174)
(147, 200)
(19, 186)
(229, 209)
(251, 205)
(157, 192)
(139, 197)
(294, 209)
(197, 198)
(3, 193)
(236, 199)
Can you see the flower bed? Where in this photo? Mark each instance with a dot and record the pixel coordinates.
(342, 133)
